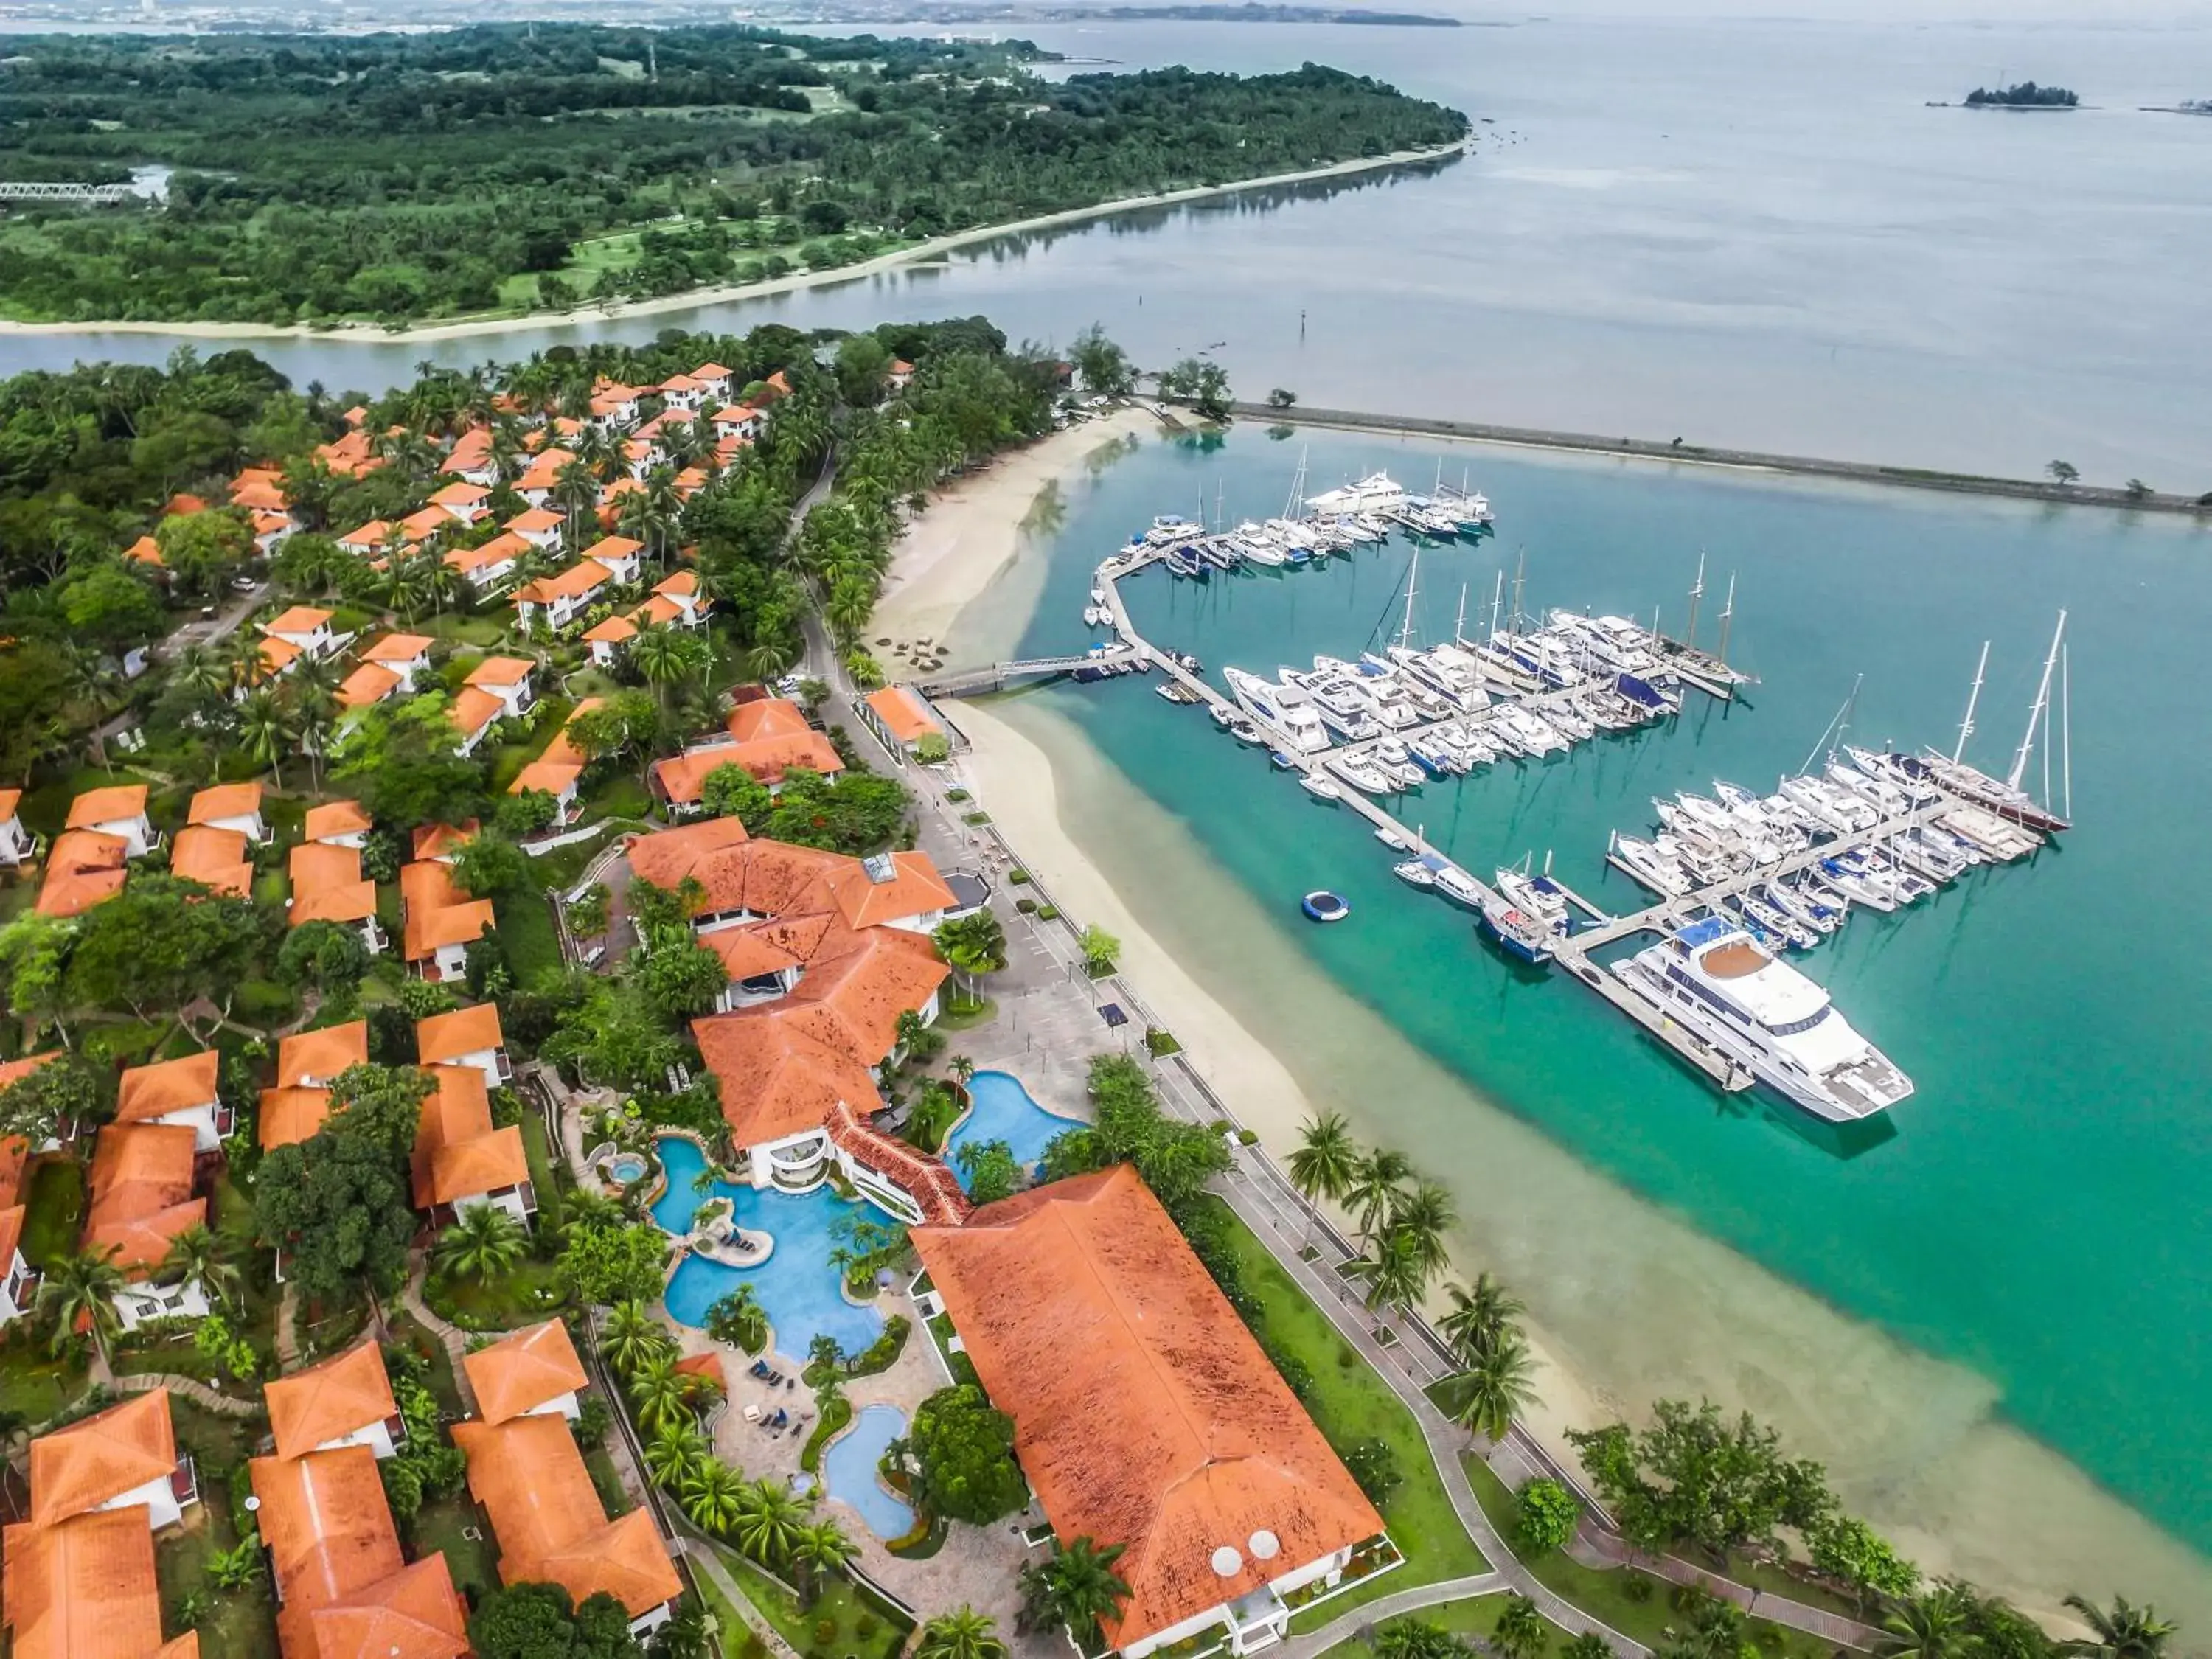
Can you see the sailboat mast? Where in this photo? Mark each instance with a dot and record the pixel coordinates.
(2035, 712)
(1697, 592)
(2066, 727)
(1520, 576)
(1459, 628)
(1728, 612)
(1497, 602)
(1973, 697)
(1412, 580)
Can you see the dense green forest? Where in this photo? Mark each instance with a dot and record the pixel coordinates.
(2023, 94)
(397, 177)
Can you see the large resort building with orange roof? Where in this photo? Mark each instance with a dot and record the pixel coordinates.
(1147, 1414)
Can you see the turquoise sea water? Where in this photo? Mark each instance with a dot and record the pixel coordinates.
(2037, 1215)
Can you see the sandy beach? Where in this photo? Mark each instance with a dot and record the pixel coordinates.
(694, 299)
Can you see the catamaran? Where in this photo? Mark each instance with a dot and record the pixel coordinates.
(1714, 978)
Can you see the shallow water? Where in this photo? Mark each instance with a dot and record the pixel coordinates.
(2034, 1227)
(848, 1470)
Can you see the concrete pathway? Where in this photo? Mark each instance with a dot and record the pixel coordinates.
(198, 1393)
(709, 1565)
(1391, 1607)
(453, 1339)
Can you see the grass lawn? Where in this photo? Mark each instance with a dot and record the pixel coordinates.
(549, 1208)
(32, 1381)
(407, 1332)
(1352, 1403)
(443, 1523)
(621, 796)
(838, 1625)
(1634, 1603)
(527, 1293)
(967, 1016)
(56, 1201)
(738, 1637)
(1474, 1619)
(607, 1481)
(232, 1624)
(526, 934)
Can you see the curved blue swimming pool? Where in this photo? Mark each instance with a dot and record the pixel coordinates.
(849, 1471)
(1003, 1110)
(797, 1286)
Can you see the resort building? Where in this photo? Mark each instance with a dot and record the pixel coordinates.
(216, 858)
(1146, 1414)
(559, 770)
(84, 867)
(338, 823)
(327, 885)
(466, 1037)
(177, 1093)
(19, 1284)
(388, 664)
(508, 679)
(487, 566)
(369, 540)
(532, 1372)
(441, 920)
(530, 1479)
(539, 479)
(346, 1401)
(122, 1460)
(898, 714)
(314, 1060)
(540, 527)
(119, 811)
(141, 1200)
(16, 843)
(232, 806)
(471, 458)
(768, 738)
(461, 1160)
(462, 501)
(562, 597)
(305, 629)
(825, 954)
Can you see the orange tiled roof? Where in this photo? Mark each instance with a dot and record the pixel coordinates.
(426, 522)
(10, 800)
(342, 902)
(683, 778)
(142, 1194)
(522, 1372)
(78, 1469)
(448, 1036)
(903, 714)
(416, 1613)
(290, 1115)
(613, 631)
(707, 1366)
(710, 372)
(226, 800)
(397, 648)
(488, 1163)
(857, 985)
(317, 866)
(15, 1154)
(666, 856)
(531, 1480)
(611, 548)
(145, 551)
(500, 550)
(535, 521)
(428, 884)
(914, 890)
(460, 494)
(1143, 1410)
(84, 867)
(11, 1234)
(475, 709)
(748, 952)
(342, 1395)
(324, 1053)
(85, 1588)
(370, 537)
(116, 804)
(369, 683)
(440, 841)
(215, 858)
(455, 924)
(767, 717)
(584, 577)
(776, 1078)
(168, 1085)
(501, 671)
(683, 584)
(337, 817)
(298, 619)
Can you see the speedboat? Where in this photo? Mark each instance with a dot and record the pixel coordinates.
(1415, 872)
(1716, 981)
(1456, 884)
(1321, 788)
(1245, 732)
(1363, 775)
(1802, 906)
(1288, 712)
(1644, 863)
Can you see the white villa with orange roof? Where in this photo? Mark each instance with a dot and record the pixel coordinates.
(621, 557)
(898, 714)
(234, 807)
(305, 629)
(540, 527)
(368, 540)
(338, 823)
(466, 1037)
(119, 811)
(17, 841)
(177, 1093)
(488, 564)
(565, 596)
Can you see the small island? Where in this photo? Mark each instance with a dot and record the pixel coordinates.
(2025, 94)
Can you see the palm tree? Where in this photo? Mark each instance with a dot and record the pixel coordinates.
(1479, 1317)
(768, 1518)
(313, 683)
(201, 669)
(674, 1453)
(1484, 1396)
(1391, 1269)
(1930, 1626)
(1326, 1161)
(714, 1495)
(2127, 1632)
(80, 1290)
(1425, 1215)
(1520, 1630)
(769, 660)
(197, 1258)
(1075, 1589)
(659, 652)
(739, 1317)
(817, 1549)
(265, 731)
(1378, 1182)
(660, 1392)
(1588, 1645)
(960, 1069)
(863, 670)
(484, 1242)
(963, 1633)
(633, 1337)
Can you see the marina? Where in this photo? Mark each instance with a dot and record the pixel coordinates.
(1738, 879)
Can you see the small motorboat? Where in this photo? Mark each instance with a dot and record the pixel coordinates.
(1321, 788)
(1283, 762)
(1415, 872)
(1321, 905)
(1393, 840)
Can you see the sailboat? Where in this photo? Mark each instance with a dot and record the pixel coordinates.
(2005, 797)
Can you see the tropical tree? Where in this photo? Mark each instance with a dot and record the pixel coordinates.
(1480, 1317)
(664, 654)
(1495, 1385)
(960, 1069)
(1588, 1645)
(1074, 1590)
(1931, 1625)
(676, 1451)
(660, 1392)
(769, 660)
(1378, 1184)
(738, 1319)
(963, 1633)
(484, 1242)
(633, 1336)
(1519, 1633)
(2123, 1631)
(768, 1521)
(1390, 1267)
(818, 1549)
(1326, 1160)
(1424, 1216)
(79, 1290)
(713, 1495)
(265, 731)
(199, 1259)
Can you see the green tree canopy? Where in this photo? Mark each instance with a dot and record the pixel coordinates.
(1694, 1478)
(400, 759)
(610, 1262)
(962, 1453)
(539, 1621)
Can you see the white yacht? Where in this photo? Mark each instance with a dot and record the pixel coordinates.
(1714, 978)
(1375, 493)
(1288, 712)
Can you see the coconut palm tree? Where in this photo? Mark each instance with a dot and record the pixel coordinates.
(1390, 1267)
(1484, 1396)
(1378, 1182)
(265, 731)
(202, 669)
(1074, 1590)
(713, 1496)
(314, 687)
(767, 1520)
(740, 1318)
(960, 1069)
(769, 660)
(663, 654)
(1424, 1216)
(80, 1290)
(1520, 1630)
(484, 1242)
(199, 1259)
(817, 1549)
(660, 1392)
(863, 670)
(1930, 1626)
(1588, 1645)
(1479, 1317)
(675, 1452)
(2126, 1631)
(1326, 1160)
(633, 1337)
(962, 1633)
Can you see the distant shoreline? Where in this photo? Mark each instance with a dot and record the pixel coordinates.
(697, 298)
(1749, 460)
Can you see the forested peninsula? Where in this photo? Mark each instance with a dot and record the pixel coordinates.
(503, 169)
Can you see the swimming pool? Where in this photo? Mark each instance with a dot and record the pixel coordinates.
(797, 1286)
(849, 1471)
(1004, 1111)
(626, 1167)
